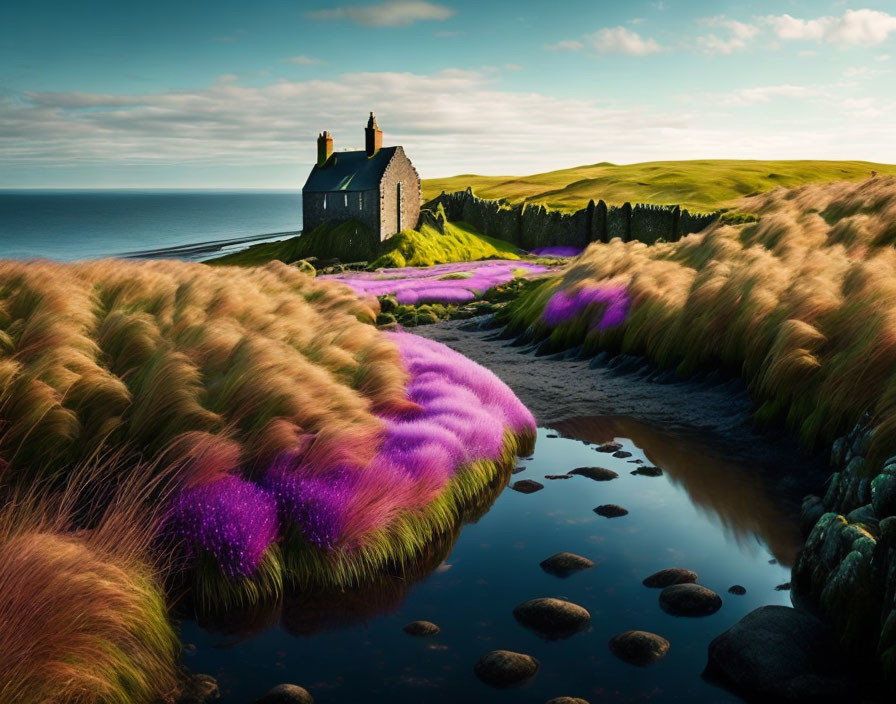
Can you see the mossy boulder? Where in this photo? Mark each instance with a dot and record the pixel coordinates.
(552, 618)
(505, 668)
(639, 647)
(421, 628)
(669, 576)
(286, 694)
(564, 564)
(689, 600)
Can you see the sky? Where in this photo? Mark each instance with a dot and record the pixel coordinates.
(232, 94)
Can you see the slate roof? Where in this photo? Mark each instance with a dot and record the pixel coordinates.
(350, 171)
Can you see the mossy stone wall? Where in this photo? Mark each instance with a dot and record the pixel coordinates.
(532, 225)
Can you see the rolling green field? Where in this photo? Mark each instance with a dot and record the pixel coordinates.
(697, 185)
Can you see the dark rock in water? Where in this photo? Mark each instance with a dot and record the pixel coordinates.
(598, 474)
(286, 694)
(773, 561)
(552, 618)
(558, 476)
(421, 628)
(668, 577)
(527, 486)
(779, 654)
(689, 600)
(737, 589)
(611, 511)
(519, 468)
(552, 435)
(609, 447)
(783, 587)
(197, 689)
(504, 668)
(567, 700)
(649, 471)
(639, 647)
(622, 454)
(564, 564)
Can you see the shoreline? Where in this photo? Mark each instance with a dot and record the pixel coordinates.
(714, 409)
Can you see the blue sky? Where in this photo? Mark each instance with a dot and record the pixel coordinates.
(232, 94)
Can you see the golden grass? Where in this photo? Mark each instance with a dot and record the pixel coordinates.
(137, 355)
(82, 618)
(799, 303)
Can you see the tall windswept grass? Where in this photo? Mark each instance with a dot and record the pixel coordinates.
(136, 355)
(82, 616)
(799, 303)
(303, 445)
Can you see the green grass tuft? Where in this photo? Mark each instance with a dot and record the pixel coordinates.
(459, 243)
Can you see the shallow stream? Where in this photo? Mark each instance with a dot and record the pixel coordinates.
(707, 513)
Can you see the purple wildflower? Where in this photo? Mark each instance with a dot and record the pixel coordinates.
(610, 299)
(230, 518)
(317, 503)
(416, 285)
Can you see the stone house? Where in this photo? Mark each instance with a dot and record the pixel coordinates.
(378, 186)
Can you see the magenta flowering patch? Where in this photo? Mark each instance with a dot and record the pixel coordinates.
(460, 414)
(558, 251)
(230, 518)
(415, 285)
(316, 503)
(609, 301)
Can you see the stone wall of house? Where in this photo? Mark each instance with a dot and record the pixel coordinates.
(847, 568)
(530, 226)
(399, 170)
(339, 207)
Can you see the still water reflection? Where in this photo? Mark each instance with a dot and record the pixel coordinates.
(707, 513)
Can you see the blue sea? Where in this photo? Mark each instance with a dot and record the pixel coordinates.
(192, 225)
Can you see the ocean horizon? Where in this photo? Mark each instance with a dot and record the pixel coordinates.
(187, 224)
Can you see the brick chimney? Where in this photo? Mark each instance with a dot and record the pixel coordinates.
(373, 136)
(324, 148)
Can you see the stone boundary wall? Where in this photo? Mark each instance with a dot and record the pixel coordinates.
(847, 568)
(530, 225)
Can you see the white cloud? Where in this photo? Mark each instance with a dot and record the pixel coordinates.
(565, 45)
(228, 78)
(393, 13)
(230, 126)
(738, 36)
(854, 27)
(765, 94)
(620, 40)
(302, 60)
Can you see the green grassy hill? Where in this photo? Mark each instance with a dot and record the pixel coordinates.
(348, 242)
(697, 185)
